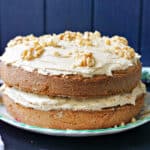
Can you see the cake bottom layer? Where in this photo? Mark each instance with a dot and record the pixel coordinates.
(69, 119)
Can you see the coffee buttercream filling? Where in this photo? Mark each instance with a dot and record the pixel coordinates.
(46, 103)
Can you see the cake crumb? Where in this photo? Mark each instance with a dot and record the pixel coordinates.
(115, 126)
(133, 120)
(122, 124)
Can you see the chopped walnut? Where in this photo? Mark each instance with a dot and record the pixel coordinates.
(107, 41)
(33, 52)
(115, 44)
(126, 52)
(130, 52)
(69, 36)
(84, 42)
(44, 37)
(49, 40)
(30, 37)
(56, 54)
(50, 43)
(53, 44)
(84, 59)
(69, 53)
(84, 39)
(122, 124)
(119, 40)
(91, 35)
(20, 39)
(15, 41)
(97, 34)
(133, 120)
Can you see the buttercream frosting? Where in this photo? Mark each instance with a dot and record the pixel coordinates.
(46, 103)
(72, 57)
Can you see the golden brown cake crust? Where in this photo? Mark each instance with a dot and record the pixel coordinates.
(67, 119)
(122, 81)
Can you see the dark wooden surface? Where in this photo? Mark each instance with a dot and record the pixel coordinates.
(17, 139)
(129, 18)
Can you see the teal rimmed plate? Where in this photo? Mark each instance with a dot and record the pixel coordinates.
(141, 119)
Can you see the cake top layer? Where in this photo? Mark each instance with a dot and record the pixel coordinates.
(86, 53)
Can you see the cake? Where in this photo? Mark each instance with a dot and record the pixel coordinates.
(72, 80)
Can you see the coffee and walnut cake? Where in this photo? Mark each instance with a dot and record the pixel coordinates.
(72, 80)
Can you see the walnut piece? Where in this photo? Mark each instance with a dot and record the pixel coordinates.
(107, 40)
(56, 54)
(122, 124)
(126, 52)
(49, 40)
(53, 44)
(133, 120)
(69, 36)
(91, 35)
(115, 44)
(85, 42)
(33, 52)
(84, 59)
(83, 39)
(119, 39)
(20, 39)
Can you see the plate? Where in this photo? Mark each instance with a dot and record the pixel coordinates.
(141, 119)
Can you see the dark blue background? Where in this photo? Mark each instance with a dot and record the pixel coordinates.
(129, 18)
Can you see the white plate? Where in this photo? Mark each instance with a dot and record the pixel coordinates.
(143, 118)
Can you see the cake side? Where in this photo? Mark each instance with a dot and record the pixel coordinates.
(65, 113)
(72, 80)
(67, 119)
(122, 81)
